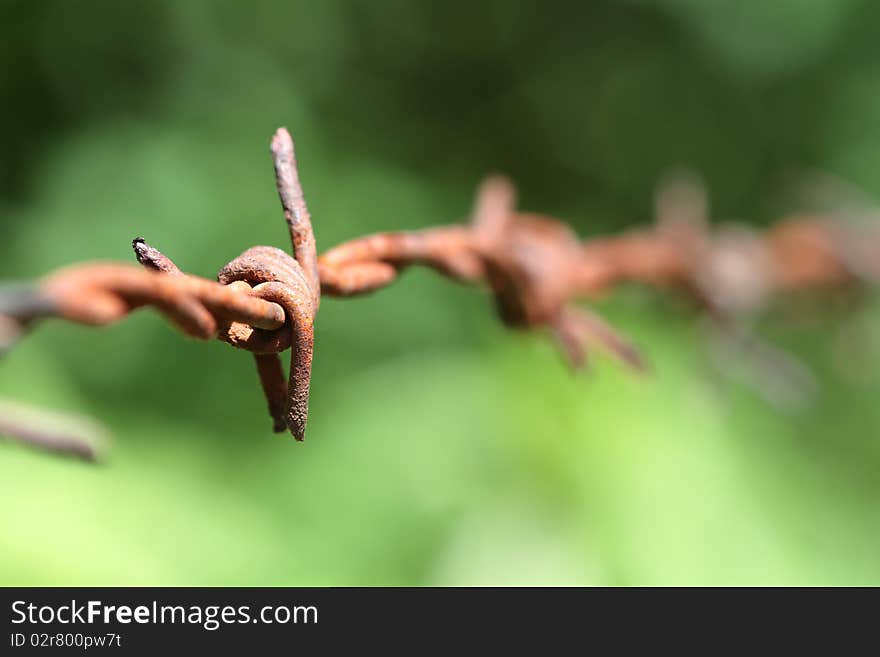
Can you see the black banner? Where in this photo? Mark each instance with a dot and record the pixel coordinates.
(135, 620)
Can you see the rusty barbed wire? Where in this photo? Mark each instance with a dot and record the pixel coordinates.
(535, 266)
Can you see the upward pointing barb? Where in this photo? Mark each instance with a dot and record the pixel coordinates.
(296, 212)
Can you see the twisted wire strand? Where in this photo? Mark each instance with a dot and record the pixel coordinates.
(535, 267)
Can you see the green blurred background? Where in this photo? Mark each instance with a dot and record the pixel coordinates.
(442, 448)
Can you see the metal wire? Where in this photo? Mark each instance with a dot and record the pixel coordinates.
(536, 268)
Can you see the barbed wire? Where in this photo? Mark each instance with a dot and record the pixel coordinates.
(535, 267)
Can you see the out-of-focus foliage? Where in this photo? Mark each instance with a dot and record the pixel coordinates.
(442, 449)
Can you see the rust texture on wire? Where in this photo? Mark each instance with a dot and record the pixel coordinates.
(535, 267)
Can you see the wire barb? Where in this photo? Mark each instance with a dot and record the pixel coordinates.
(61, 434)
(296, 212)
